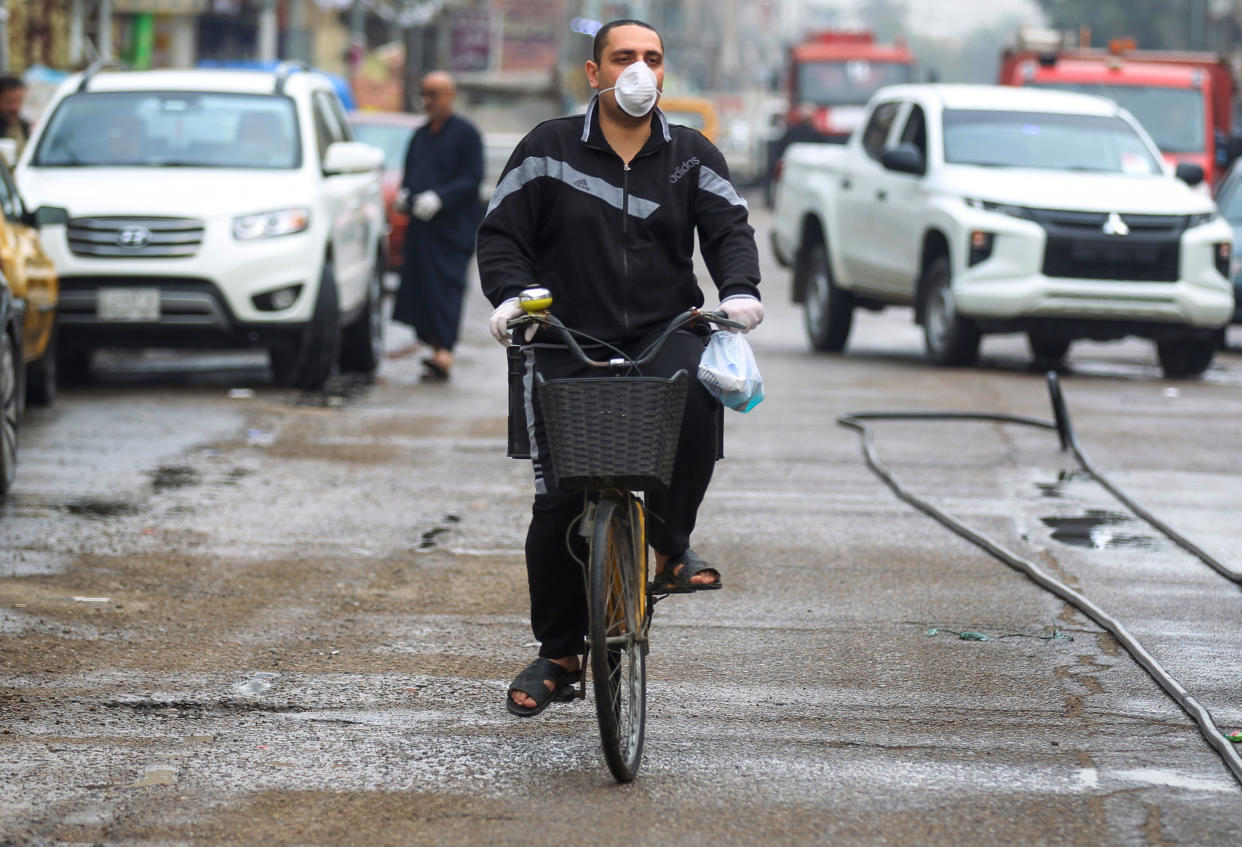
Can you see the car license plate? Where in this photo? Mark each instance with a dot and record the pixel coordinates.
(132, 305)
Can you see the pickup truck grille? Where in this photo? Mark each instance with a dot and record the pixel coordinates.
(134, 238)
(1078, 246)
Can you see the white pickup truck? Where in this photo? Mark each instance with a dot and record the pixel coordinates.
(1000, 209)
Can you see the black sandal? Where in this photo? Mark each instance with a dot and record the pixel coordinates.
(668, 581)
(434, 371)
(530, 682)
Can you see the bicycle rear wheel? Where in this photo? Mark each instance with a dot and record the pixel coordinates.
(618, 630)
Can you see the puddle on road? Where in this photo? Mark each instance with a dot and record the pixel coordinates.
(174, 476)
(259, 682)
(1056, 489)
(1099, 529)
(429, 537)
(161, 776)
(337, 392)
(236, 475)
(90, 507)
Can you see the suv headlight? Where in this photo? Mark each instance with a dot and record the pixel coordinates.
(1201, 219)
(1000, 208)
(271, 224)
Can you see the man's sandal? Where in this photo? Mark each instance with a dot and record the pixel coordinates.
(531, 683)
(668, 582)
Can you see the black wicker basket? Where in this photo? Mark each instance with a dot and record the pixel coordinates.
(613, 432)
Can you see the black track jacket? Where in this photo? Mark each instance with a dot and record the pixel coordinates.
(614, 244)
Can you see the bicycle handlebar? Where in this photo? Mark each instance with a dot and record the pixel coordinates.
(550, 321)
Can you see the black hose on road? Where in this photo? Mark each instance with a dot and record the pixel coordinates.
(1201, 716)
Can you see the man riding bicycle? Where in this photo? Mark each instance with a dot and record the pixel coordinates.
(602, 210)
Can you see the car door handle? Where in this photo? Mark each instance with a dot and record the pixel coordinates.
(881, 195)
(355, 204)
(847, 184)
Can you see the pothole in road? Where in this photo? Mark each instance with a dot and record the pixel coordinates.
(1099, 529)
(93, 508)
(193, 709)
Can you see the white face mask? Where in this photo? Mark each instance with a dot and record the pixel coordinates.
(636, 89)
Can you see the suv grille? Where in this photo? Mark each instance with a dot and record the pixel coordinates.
(1078, 246)
(126, 238)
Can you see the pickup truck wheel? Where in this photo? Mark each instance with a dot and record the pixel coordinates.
(827, 311)
(10, 384)
(362, 346)
(1185, 358)
(1047, 351)
(950, 339)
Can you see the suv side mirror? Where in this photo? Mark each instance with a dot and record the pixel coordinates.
(904, 158)
(351, 157)
(47, 216)
(1190, 173)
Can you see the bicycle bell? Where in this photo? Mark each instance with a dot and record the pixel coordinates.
(535, 300)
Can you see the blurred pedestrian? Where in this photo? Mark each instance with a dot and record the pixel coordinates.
(440, 191)
(12, 125)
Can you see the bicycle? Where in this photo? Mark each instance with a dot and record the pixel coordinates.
(611, 437)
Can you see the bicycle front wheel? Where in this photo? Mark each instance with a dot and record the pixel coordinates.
(618, 631)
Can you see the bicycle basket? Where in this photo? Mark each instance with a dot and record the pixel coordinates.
(613, 432)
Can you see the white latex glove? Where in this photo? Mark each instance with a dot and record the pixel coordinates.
(426, 205)
(744, 309)
(401, 202)
(499, 323)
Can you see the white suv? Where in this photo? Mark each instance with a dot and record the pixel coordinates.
(212, 208)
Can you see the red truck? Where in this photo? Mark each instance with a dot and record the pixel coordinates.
(1185, 101)
(831, 75)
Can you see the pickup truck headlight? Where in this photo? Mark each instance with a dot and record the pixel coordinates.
(1000, 208)
(1223, 254)
(270, 224)
(981, 244)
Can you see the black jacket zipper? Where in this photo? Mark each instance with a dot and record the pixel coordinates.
(625, 239)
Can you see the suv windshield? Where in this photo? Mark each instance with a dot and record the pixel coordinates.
(186, 128)
(1045, 140)
(1173, 117)
(847, 83)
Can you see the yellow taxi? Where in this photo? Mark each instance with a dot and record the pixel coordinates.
(33, 281)
(694, 112)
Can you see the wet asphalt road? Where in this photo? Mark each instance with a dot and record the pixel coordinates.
(231, 613)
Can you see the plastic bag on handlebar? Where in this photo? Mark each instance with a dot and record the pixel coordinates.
(729, 371)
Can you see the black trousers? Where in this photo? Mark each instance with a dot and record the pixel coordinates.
(558, 612)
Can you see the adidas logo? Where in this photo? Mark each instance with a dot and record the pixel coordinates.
(582, 183)
(683, 169)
